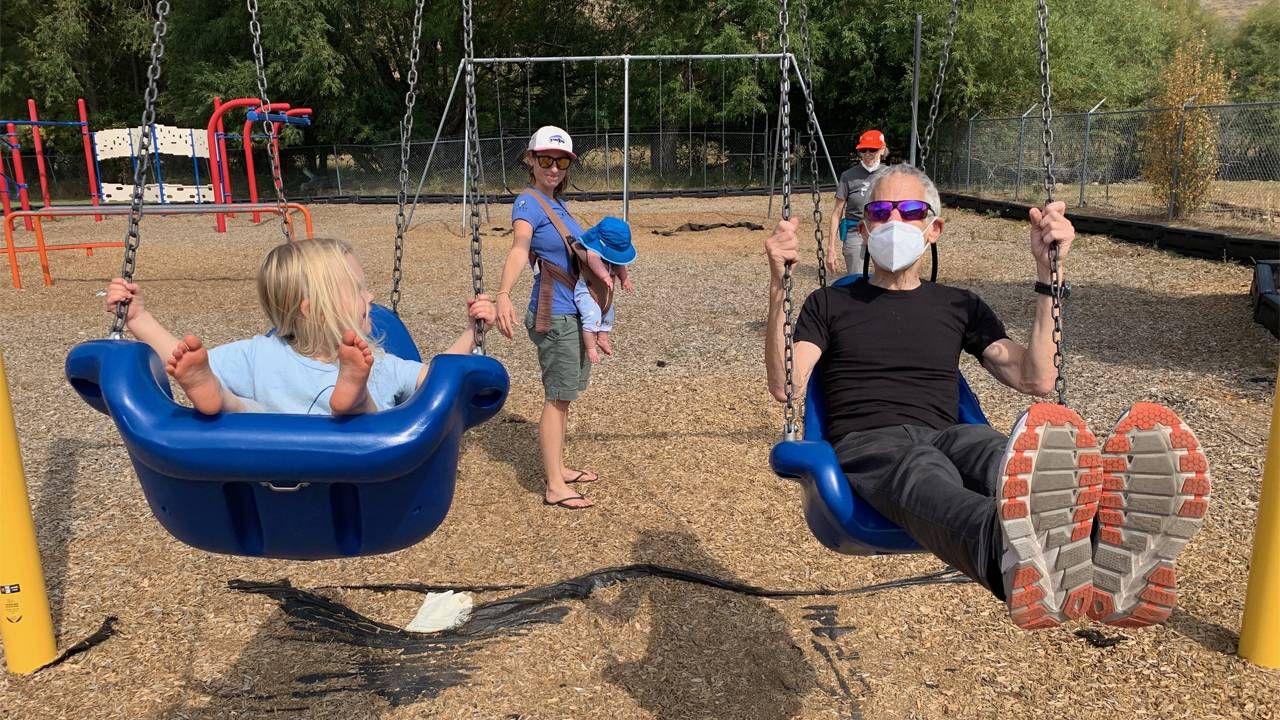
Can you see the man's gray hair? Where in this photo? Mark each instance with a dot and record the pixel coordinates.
(930, 190)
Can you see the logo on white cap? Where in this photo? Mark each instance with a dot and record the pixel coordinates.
(550, 137)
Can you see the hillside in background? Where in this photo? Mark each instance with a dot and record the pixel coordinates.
(1231, 11)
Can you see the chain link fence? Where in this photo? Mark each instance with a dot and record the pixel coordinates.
(1130, 163)
(697, 160)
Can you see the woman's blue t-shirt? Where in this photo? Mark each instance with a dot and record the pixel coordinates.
(548, 245)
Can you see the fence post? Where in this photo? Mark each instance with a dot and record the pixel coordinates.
(1177, 160)
(626, 136)
(1022, 136)
(968, 170)
(915, 92)
(337, 168)
(608, 162)
(1084, 160)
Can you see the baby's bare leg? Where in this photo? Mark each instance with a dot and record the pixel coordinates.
(602, 340)
(351, 391)
(589, 342)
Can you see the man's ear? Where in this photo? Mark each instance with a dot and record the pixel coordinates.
(862, 230)
(305, 307)
(935, 230)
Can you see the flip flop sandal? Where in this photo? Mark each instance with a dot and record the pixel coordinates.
(561, 503)
(579, 477)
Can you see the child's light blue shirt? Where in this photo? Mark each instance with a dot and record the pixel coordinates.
(277, 379)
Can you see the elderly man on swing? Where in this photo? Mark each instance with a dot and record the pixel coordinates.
(1043, 518)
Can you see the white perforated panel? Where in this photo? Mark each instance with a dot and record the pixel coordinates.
(116, 193)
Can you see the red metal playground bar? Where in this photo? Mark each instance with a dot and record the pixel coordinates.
(43, 249)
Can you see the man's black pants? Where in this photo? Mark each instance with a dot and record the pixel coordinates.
(939, 486)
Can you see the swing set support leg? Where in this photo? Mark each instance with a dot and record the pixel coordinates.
(1260, 629)
(26, 625)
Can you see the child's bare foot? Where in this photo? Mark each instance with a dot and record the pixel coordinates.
(606, 347)
(351, 391)
(189, 365)
(589, 341)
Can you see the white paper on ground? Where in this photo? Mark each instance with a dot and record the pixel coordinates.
(441, 611)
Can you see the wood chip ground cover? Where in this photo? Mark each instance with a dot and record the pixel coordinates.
(679, 426)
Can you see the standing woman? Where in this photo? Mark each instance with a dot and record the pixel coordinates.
(540, 220)
(851, 195)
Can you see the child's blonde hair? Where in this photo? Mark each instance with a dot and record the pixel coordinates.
(316, 271)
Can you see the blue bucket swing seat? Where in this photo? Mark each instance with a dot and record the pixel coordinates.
(836, 515)
(300, 487)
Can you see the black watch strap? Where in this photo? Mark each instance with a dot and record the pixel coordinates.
(1047, 289)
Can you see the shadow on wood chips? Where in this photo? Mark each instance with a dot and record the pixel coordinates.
(337, 655)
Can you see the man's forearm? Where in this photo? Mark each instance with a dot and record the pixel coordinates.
(774, 341)
(1038, 367)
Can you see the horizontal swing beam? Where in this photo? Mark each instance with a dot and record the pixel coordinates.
(43, 249)
(630, 58)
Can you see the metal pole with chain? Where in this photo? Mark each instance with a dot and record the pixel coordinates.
(268, 125)
(807, 49)
(1055, 278)
(927, 138)
(473, 162)
(406, 133)
(132, 237)
(788, 328)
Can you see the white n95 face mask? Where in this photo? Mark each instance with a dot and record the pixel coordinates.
(896, 245)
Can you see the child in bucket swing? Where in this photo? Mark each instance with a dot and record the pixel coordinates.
(322, 358)
(607, 251)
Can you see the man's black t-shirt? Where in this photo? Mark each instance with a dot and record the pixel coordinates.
(891, 357)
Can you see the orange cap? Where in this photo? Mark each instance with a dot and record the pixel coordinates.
(871, 140)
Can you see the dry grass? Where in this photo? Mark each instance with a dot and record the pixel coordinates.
(1231, 11)
(679, 426)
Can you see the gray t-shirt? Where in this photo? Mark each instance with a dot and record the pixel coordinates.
(854, 188)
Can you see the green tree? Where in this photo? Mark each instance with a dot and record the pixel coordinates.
(1254, 54)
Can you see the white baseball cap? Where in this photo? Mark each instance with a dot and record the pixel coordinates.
(550, 137)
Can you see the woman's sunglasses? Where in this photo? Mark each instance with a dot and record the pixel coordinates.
(880, 210)
(546, 161)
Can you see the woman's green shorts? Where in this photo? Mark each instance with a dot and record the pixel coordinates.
(565, 369)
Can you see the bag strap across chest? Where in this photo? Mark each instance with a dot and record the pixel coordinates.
(600, 292)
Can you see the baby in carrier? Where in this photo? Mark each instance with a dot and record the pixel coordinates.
(603, 252)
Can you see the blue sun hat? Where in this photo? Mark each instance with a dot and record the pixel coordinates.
(611, 239)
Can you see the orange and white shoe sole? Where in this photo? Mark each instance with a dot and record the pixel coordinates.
(1050, 485)
(1155, 494)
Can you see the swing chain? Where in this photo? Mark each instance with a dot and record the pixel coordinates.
(473, 160)
(784, 135)
(813, 146)
(132, 236)
(927, 137)
(1055, 277)
(406, 135)
(268, 125)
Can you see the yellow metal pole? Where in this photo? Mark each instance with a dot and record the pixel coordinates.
(1260, 630)
(26, 626)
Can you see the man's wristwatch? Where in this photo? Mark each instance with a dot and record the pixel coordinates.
(1047, 289)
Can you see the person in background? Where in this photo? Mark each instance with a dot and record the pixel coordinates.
(851, 195)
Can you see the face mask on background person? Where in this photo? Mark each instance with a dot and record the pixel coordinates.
(873, 166)
(896, 245)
